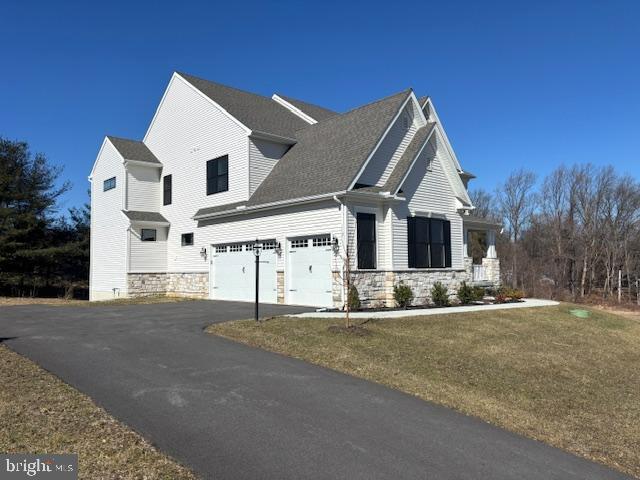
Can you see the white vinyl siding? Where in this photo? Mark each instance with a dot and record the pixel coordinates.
(189, 130)
(383, 229)
(263, 155)
(427, 191)
(143, 188)
(392, 147)
(303, 220)
(108, 227)
(147, 256)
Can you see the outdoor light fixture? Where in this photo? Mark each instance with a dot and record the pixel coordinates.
(334, 245)
(278, 248)
(203, 253)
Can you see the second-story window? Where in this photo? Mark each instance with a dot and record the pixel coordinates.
(109, 184)
(218, 175)
(166, 190)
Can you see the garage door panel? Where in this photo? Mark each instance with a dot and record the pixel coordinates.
(309, 272)
(233, 275)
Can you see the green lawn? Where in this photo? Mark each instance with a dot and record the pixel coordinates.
(571, 382)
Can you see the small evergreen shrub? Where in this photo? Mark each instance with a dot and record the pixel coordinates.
(466, 294)
(440, 295)
(478, 293)
(353, 298)
(402, 294)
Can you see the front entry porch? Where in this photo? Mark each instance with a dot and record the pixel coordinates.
(481, 259)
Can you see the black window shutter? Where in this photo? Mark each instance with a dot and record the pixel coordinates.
(447, 243)
(411, 241)
(167, 190)
(366, 240)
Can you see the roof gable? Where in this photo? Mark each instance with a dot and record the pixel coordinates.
(257, 113)
(329, 154)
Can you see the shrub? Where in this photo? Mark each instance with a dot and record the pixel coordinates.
(402, 294)
(516, 294)
(353, 299)
(440, 295)
(466, 294)
(478, 293)
(500, 298)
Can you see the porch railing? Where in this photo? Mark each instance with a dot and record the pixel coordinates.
(479, 273)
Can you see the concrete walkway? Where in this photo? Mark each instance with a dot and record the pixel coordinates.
(527, 303)
(230, 411)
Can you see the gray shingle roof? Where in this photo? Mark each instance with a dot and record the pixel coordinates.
(138, 216)
(406, 160)
(220, 208)
(480, 221)
(314, 111)
(133, 150)
(329, 154)
(258, 113)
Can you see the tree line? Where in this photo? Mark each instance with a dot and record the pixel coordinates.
(573, 234)
(43, 252)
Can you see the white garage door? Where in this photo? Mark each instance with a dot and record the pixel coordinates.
(234, 275)
(309, 271)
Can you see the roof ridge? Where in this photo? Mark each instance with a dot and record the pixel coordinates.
(185, 75)
(342, 116)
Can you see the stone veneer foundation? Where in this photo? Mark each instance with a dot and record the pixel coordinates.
(375, 287)
(181, 284)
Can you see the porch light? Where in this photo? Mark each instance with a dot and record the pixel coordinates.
(203, 253)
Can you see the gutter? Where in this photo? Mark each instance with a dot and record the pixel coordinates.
(243, 209)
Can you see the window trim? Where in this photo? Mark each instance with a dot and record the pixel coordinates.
(155, 235)
(412, 244)
(182, 239)
(216, 177)
(374, 256)
(107, 185)
(167, 199)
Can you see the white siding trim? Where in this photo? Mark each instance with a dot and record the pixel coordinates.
(296, 111)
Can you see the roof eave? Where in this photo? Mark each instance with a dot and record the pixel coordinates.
(241, 210)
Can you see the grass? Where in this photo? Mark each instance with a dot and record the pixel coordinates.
(41, 414)
(541, 372)
(12, 301)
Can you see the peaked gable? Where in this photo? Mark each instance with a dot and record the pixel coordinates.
(329, 155)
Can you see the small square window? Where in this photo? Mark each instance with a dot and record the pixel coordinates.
(187, 239)
(221, 249)
(109, 184)
(148, 235)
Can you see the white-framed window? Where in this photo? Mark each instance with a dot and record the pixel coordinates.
(323, 241)
(300, 243)
(187, 239)
(269, 245)
(221, 249)
(236, 247)
(109, 184)
(148, 234)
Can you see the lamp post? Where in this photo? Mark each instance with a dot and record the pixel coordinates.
(256, 252)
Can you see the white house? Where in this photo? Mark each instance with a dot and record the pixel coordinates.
(178, 212)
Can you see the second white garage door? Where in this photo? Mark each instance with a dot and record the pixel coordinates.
(234, 275)
(309, 271)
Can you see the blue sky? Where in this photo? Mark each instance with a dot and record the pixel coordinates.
(516, 84)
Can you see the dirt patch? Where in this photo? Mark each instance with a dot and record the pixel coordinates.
(357, 330)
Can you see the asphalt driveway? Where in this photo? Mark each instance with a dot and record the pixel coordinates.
(229, 411)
